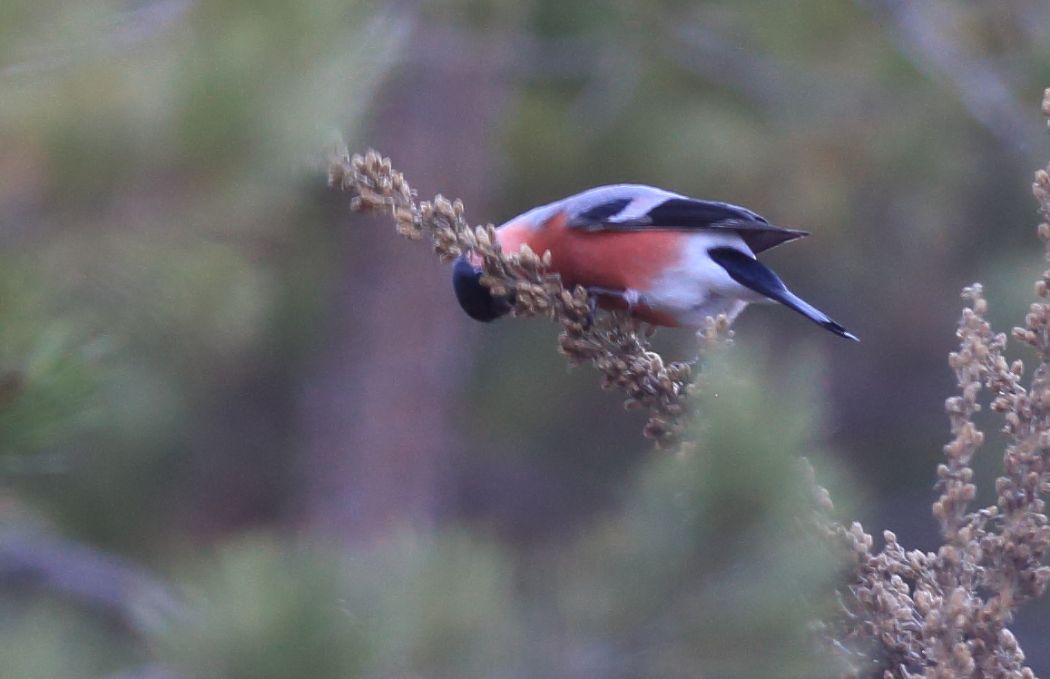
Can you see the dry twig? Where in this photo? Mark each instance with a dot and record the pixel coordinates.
(611, 341)
(945, 614)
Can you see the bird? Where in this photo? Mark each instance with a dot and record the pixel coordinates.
(664, 258)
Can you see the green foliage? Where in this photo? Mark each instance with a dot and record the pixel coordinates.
(707, 563)
(711, 559)
(436, 606)
(51, 640)
(156, 173)
(49, 371)
(259, 610)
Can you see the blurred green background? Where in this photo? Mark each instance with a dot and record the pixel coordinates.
(246, 434)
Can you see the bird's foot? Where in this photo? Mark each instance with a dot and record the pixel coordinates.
(593, 293)
(631, 297)
(592, 310)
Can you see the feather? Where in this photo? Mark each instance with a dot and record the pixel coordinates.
(473, 297)
(632, 207)
(755, 275)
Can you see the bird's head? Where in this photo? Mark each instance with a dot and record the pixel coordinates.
(479, 303)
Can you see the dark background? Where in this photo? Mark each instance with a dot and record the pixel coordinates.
(212, 373)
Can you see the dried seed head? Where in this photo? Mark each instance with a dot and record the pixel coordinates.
(610, 342)
(945, 615)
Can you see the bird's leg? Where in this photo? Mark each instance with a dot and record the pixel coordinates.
(592, 309)
(592, 303)
(630, 296)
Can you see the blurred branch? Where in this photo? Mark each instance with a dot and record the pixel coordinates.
(983, 90)
(145, 22)
(114, 587)
(609, 68)
(775, 85)
(146, 672)
(534, 57)
(712, 56)
(612, 83)
(125, 29)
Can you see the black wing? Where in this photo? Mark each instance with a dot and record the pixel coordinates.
(685, 214)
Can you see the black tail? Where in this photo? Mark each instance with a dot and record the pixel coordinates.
(755, 275)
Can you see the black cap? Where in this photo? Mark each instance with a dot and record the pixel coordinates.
(479, 303)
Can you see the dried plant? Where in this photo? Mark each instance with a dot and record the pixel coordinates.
(612, 342)
(946, 613)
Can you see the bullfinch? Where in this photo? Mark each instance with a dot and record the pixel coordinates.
(666, 259)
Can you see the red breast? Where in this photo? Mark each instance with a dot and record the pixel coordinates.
(616, 260)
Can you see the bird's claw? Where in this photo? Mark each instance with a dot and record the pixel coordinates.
(593, 293)
(631, 297)
(592, 310)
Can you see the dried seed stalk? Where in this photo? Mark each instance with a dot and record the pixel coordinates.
(611, 341)
(945, 614)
